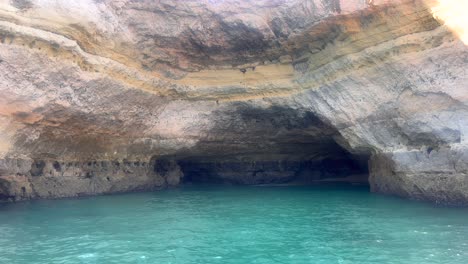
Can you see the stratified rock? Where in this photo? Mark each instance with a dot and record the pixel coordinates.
(113, 96)
(438, 175)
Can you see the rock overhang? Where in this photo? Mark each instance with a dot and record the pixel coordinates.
(293, 81)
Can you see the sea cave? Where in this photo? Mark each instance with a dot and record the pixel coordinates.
(221, 131)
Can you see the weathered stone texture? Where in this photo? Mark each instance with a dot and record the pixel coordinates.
(223, 83)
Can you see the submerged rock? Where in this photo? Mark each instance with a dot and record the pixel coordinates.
(114, 96)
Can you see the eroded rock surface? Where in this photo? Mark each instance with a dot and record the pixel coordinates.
(114, 96)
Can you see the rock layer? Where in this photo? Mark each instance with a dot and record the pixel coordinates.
(34, 179)
(239, 91)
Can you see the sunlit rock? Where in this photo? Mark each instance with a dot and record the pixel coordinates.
(113, 96)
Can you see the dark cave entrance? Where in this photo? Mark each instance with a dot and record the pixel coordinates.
(339, 170)
(273, 145)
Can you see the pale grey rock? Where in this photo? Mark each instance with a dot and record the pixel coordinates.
(437, 175)
(231, 91)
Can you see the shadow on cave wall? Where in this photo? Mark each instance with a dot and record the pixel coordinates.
(276, 144)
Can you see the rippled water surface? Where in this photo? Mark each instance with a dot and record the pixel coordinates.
(215, 224)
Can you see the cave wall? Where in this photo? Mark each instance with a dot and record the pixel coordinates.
(229, 88)
(437, 175)
(33, 179)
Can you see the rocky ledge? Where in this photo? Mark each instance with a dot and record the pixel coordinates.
(115, 96)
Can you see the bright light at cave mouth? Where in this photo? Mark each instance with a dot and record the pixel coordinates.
(455, 15)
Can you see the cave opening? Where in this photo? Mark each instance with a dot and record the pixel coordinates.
(345, 169)
(270, 145)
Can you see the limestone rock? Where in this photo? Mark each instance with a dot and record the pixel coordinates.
(150, 93)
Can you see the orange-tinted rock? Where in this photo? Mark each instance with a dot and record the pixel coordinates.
(228, 82)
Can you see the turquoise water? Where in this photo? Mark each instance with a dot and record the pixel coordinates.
(216, 224)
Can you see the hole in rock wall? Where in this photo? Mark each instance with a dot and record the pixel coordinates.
(342, 169)
(274, 145)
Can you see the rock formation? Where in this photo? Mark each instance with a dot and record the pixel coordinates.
(113, 96)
